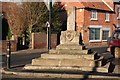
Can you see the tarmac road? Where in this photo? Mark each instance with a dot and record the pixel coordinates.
(21, 59)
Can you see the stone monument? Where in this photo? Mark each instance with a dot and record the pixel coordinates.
(69, 55)
(70, 36)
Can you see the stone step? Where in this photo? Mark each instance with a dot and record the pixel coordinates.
(67, 56)
(65, 68)
(81, 75)
(66, 62)
(69, 47)
(68, 52)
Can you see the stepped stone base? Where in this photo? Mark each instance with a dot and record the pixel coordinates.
(68, 52)
(66, 62)
(69, 47)
(68, 56)
(65, 69)
(73, 59)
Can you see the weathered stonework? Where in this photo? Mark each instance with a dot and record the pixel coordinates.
(117, 52)
(69, 37)
(71, 19)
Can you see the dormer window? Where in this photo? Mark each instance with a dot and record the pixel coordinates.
(93, 15)
(107, 18)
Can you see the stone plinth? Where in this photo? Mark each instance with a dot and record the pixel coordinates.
(66, 56)
(69, 37)
(69, 47)
(63, 62)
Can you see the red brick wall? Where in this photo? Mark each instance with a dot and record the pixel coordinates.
(3, 45)
(39, 40)
(53, 40)
(100, 17)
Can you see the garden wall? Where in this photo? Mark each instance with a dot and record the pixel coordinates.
(39, 40)
(3, 45)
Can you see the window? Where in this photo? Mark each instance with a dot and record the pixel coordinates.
(98, 33)
(105, 34)
(107, 16)
(93, 15)
(94, 34)
(118, 12)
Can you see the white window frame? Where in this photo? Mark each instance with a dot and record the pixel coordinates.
(107, 17)
(93, 15)
(106, 29)
(118, 12)
(96, 26)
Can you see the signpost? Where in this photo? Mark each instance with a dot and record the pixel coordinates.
(49, 5)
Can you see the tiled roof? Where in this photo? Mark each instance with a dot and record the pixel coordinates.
(100, 5)
(96, 5)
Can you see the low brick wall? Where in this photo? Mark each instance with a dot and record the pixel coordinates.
(39, 40)
(3, 45)
(96, 44)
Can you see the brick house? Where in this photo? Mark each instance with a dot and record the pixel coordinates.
(117, 14)
(95, 20)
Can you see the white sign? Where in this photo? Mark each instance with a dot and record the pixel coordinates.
(48, 24)
(47, 3)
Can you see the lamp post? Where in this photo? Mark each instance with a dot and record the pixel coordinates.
(49, 27)
(49, 4)
(8, 54)
(48, 35)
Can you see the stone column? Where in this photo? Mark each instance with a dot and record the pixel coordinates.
(71, 18)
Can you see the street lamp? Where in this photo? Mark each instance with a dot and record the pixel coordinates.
(49, 4)
(48, 35)
(50, 21)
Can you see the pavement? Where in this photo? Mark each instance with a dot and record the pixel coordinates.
(19, 71)
(27, 51)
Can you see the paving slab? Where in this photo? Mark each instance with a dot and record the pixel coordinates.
(49, 75)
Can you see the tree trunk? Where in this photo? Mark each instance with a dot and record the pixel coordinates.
(30, 32)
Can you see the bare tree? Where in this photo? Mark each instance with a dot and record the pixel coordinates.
(26, 15)
(15, 17)
(33, 11)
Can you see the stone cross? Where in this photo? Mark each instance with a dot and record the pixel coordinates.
(71, 12)
(70, 36)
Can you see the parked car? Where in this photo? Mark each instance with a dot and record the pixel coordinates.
(114, 40)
